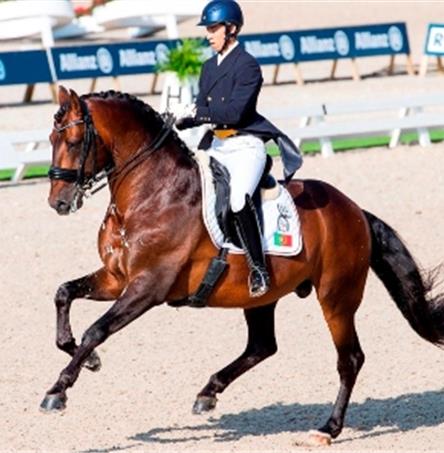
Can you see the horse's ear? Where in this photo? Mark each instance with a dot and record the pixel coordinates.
(75, 102)
(63, 95)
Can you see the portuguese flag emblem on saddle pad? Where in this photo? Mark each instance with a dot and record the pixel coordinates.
(281, 239)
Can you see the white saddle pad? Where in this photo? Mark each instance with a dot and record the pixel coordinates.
(282, 234)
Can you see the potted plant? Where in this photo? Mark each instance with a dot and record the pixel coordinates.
(182, 66)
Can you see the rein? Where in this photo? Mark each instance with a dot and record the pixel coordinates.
(84, 185)
(127, 166)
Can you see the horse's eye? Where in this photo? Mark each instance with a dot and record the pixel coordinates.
(71, 146)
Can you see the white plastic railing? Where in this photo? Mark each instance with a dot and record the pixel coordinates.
(20, 150)
(387, 116)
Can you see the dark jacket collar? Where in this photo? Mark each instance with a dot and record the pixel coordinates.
(218, 71)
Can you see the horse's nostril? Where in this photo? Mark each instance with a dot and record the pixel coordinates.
(62, 207)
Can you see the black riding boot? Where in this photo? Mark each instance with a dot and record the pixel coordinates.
(247, 228)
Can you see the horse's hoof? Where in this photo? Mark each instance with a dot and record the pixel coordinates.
(319, 438)
(92, 362)
(314, 439)
(204, 404)
(53, 403)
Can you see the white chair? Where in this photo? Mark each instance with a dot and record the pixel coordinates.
(27, 18)
(77, 28)
(147, 15)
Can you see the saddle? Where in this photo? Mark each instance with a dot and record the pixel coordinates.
(275, 209)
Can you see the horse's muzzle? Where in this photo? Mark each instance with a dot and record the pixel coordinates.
(62, 207)
(65, 198)
(65, 207)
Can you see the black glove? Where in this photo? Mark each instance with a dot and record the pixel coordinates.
(186, 123)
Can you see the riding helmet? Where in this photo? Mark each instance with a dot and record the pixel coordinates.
(222, 12)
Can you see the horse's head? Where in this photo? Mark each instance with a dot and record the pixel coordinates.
(105, 134)
(75, 157)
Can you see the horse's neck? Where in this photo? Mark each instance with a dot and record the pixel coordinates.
(120, 129)
(125, 144)
(163, 176)
(157, 175)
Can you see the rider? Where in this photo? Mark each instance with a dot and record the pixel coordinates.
(229, 86)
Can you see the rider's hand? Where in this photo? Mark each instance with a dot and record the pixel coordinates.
(186, 122)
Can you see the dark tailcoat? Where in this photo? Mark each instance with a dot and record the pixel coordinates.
(228, 97)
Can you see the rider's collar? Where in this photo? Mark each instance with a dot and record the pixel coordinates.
(221, 57)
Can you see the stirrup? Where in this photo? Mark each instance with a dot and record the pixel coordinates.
(258, 282)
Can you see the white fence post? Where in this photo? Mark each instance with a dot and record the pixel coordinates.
(396, 133)
(326, 144)
(423, 132)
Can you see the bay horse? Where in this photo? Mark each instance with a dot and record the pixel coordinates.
(155, 248)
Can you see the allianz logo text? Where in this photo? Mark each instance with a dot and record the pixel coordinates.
(131, 57)
(392, 39)
(284, 48)
(102, 60)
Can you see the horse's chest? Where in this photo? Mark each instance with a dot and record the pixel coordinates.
(113, 242)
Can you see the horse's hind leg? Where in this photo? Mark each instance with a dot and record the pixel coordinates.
(339, 308)
(261, 344)
(100, 285)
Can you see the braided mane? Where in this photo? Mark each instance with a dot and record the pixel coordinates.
(152, 116)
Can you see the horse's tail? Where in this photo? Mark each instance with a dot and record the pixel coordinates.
(398, 271)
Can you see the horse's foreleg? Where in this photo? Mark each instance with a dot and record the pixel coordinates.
(100, 285)
(134, 302)
(261, 344)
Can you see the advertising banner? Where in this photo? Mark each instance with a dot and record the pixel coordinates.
(102, 60)
(434, 44)
(328, 43)
(141, 57)
(24, 67)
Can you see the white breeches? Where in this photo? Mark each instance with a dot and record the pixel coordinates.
(245, 158)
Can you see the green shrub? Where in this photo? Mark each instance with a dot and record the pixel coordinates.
(185, 60)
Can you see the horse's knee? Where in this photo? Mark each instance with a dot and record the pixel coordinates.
(62, 296)
(71, 290)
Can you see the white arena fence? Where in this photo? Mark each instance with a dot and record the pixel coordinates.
(363, 118)
(323, 122)
(21, 150)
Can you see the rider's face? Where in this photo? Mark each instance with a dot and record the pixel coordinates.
(216, 36)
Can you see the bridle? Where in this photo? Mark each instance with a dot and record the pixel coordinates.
(85, 185)
(89, 146)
